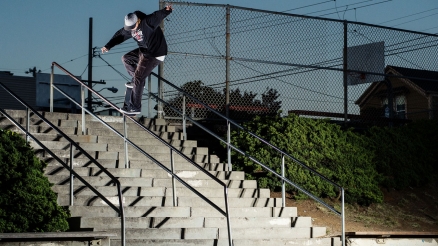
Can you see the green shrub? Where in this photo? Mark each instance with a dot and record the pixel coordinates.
(406, 156)
(340, 155)
(27, 203)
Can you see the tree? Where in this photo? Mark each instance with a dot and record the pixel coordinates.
(27, 203)
(243, 105)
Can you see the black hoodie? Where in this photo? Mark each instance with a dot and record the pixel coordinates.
(148, 35)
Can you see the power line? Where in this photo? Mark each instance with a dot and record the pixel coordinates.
(407, 16)
(415, 19)
(117, 71)
(74, 59)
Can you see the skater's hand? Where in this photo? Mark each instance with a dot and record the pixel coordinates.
(104, 49)
(169, 8)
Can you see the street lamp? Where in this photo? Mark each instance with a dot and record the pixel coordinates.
(112, 89)
(99, 103)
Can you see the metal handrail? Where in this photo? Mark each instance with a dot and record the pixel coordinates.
(127, 141)
(283, 153)
(119, 210)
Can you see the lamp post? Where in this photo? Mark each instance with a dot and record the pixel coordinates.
(112, 89)
(90, 100)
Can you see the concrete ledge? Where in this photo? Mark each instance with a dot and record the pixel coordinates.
(56, 236)
(394, 234)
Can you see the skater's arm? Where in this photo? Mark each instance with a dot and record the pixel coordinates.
(119, 37)
(156, 17)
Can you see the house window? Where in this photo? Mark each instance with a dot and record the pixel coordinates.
(399, 107)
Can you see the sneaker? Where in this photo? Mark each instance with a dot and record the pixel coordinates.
(130, 111)
(129, 85)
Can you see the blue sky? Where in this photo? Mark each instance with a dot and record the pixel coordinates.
(35, 33)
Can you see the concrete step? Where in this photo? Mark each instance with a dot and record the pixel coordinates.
(94, 171)
(151, 182)
(246, 212)
(117, 125)
(65, 146)
(56, 116)
(150, 141)
(111, 139)
(135, 133)
(99, 212)
(162, 191)
(145, 164)
(120, 126)
(161, 149)
(236, 242)
(207, 212)
(113, 155)
(232, 202)
(179, 165)
(58, 137)
(157, 201)
(42, 127)
(148, 173)
(222, 233)
(102, 223)
(101, 181)
(324, 241)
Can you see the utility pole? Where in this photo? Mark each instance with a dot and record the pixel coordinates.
(90, 63)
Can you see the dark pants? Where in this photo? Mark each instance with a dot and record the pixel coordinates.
(139, 66)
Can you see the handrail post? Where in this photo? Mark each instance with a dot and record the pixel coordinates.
(125, 137)
(184, 117)
(343, 216)
(283, 183)
(83, 111)
(172, 166)
(51, 89)
(149, 97)
(229, 145)
(121, 214)
(227, 210)
(71, 175)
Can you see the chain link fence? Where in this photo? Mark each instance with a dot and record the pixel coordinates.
(244, 62)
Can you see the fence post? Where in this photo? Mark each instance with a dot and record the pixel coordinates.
(184, 117)
(345, 73)
(229, 145)
(160, 73)
(227, 62)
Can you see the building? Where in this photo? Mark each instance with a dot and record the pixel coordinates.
(23, 87)
(35, 91)
(413, 93)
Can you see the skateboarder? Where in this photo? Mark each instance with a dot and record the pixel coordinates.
(140, 62)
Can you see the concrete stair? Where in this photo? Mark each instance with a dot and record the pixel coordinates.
(151, 218)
